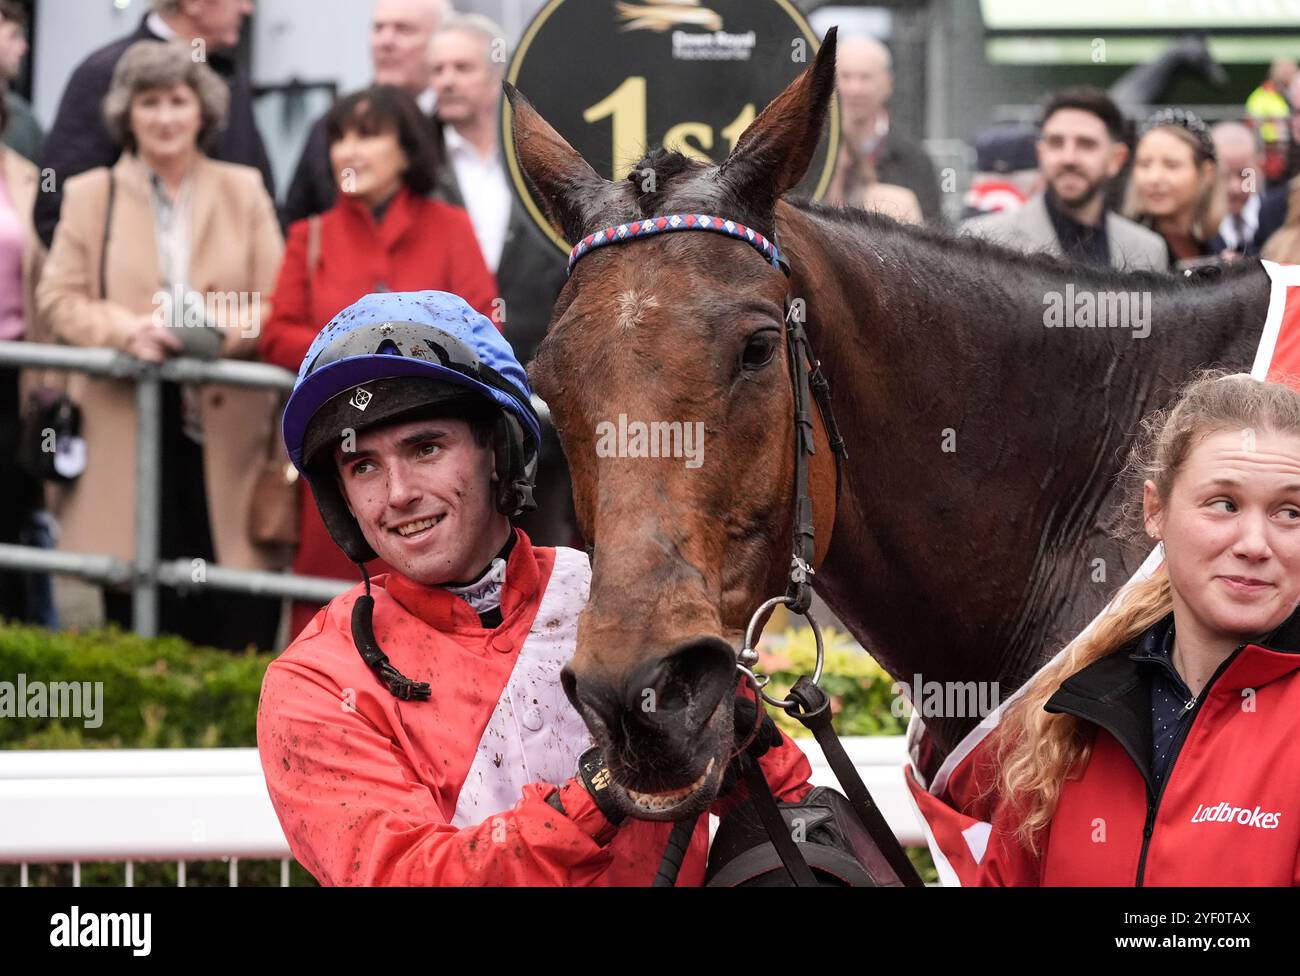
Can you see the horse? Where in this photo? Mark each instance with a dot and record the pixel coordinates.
(969, 531)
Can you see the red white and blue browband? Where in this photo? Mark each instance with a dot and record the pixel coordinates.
(677, 222)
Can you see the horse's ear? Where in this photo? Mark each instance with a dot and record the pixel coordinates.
(560, 177)
(774, 153)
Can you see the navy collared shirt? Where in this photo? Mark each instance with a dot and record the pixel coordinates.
(1079, 241)
(1171, 700)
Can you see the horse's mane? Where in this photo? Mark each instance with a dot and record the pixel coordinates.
(946, 251)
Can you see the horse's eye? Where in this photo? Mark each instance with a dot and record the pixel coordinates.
(759, 351)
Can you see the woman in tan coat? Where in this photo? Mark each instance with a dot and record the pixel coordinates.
(167, 223)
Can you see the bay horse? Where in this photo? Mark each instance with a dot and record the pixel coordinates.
(973, 531)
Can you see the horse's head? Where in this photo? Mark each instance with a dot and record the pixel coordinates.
(674, 344)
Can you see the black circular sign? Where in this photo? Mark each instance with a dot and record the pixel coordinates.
(617, 77)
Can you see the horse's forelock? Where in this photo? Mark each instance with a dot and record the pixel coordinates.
(667, 182)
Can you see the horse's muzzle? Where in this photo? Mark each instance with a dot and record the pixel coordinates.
(659, 724)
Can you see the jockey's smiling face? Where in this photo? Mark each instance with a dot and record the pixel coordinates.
(422, 492)
(1231, 529)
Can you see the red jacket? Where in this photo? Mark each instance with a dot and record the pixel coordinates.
(1229, 811)
(420, 244)
(371, 790)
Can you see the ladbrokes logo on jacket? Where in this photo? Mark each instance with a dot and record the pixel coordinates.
(1226, 813)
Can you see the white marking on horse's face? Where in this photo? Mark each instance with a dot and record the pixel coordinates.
(632, 306)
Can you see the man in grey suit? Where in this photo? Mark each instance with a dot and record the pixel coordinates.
(1080, 150)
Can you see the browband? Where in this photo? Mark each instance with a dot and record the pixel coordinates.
(675, 222)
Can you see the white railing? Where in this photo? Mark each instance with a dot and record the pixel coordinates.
(127, 805)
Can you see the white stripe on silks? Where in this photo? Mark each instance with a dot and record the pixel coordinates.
(534, 735)
(977, 839)
(1273, 321)
(947, 876)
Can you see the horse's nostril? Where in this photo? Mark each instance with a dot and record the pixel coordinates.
(569, 682)
(672, 696)
(689, 681)
(592, 698)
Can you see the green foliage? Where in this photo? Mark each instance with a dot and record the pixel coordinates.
(860, 689)
(158, 693)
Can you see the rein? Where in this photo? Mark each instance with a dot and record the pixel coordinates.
(807, 702)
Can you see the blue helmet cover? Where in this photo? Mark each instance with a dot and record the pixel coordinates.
(439, 310)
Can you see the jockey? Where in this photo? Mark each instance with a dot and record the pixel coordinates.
(416, 733)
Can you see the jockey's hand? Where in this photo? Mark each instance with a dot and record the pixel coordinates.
(604, 791)
(767, 737)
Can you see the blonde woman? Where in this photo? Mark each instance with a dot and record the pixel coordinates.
(1175, 188)
(1164, 748)
(169, 252)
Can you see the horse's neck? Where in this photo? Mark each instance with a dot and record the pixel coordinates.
(971, 535)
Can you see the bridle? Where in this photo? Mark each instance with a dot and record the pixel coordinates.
(806, 702)
(809, 384)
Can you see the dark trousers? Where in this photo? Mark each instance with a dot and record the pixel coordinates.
(20, 498)
(199, 614)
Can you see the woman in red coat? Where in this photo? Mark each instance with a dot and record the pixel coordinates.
(383, 234)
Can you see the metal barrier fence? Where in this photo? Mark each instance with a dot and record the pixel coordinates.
(147, 572)
(148, 805)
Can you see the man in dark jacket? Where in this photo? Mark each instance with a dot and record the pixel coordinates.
(79, 141)
(865, 81)
(399, 45)
(467, 56)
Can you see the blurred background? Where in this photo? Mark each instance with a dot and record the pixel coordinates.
(959, 65)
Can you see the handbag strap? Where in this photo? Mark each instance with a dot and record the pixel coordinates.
(275, 449)
(313, 243)
(103, 248)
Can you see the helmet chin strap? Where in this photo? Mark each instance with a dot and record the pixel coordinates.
(363, 636)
